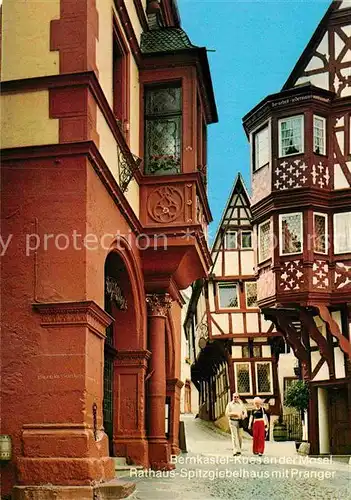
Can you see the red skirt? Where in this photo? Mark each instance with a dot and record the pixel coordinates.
(259, 435)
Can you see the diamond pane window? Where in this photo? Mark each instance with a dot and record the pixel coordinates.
(231, 240)
(291, 135)
(163, 130)
(243, 378)
(319, 131)
(228, 295)
(264, 240)
(263, 377)
(251, 294)
(246, 239)
(320, 233)
(261, 148)
(290, 233)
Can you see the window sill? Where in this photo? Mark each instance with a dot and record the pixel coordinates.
(292, 154)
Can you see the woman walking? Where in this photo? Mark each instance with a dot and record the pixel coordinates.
(259, 423)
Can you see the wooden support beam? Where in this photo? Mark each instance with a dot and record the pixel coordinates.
(334, 329)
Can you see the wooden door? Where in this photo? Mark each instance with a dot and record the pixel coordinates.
(340, 433)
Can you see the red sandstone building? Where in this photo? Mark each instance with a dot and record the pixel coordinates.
(301, 206)
(105, 106)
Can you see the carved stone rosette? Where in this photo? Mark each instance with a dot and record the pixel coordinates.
(158, 304)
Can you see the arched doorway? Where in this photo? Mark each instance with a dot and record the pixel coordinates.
(125, 357)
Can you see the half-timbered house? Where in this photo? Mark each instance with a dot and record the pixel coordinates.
(301, 205)
(238, 349)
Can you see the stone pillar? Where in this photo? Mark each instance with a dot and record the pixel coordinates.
(159, 453)
(129, 438)
(173, 391)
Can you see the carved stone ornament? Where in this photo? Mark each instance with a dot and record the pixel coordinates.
(158, 305)
(115, 293)
(165, 204)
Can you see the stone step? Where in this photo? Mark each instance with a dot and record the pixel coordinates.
(120, 461)
(114, 489)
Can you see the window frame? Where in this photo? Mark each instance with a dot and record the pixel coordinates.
(248, 363)
(324, 120)
(246, 283)
(236, 239)
(280, 121)
(121, 96)
(227, 284)
(260, 259)
(165, 116)
(335, 239)
(281, 235)
(241, 240)
(254, 149)
(270, 374)
(325, 216)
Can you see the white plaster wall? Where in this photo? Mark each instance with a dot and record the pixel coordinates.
(231, 263)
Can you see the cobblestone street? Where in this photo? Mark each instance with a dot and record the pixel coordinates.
(209, 471)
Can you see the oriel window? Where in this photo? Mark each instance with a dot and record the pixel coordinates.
(163, 129)
(291, 132)
(319, 135)
(290, 229)
(261, 148)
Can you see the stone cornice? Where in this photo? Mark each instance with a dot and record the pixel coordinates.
(62, 314)
(133, 358)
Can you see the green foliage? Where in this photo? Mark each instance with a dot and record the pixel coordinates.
(297, 396)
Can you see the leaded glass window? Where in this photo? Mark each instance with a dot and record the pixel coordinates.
(228, 295)
(320, 233)
(163, 129)
(251, 294)
(245, 351)
(243, 378)
(290, 226)
(291, 136)
(263, 377)
(319, 135)
(264, 240)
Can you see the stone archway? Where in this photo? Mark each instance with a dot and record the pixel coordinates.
(125, 357)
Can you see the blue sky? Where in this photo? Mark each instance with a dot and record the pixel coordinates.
(257, 44)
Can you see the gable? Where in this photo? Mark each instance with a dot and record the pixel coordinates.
(326, 61)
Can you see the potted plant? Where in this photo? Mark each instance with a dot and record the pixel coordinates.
(297, 396)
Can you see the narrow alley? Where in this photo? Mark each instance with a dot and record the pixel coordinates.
(209, 471)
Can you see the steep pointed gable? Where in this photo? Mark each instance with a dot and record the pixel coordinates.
(326, 60)
(237, 213)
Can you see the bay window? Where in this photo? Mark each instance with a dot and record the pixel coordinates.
(261, 148)
(163, 129)
(291, 140)
(320, 223)
(290, 233)
(319, 135)
(342, 232)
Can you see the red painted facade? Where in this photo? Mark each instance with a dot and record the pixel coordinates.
(74, 233)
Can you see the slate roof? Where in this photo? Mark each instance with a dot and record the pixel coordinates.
(165, 40)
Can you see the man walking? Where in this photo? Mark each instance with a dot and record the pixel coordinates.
(236, 412)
